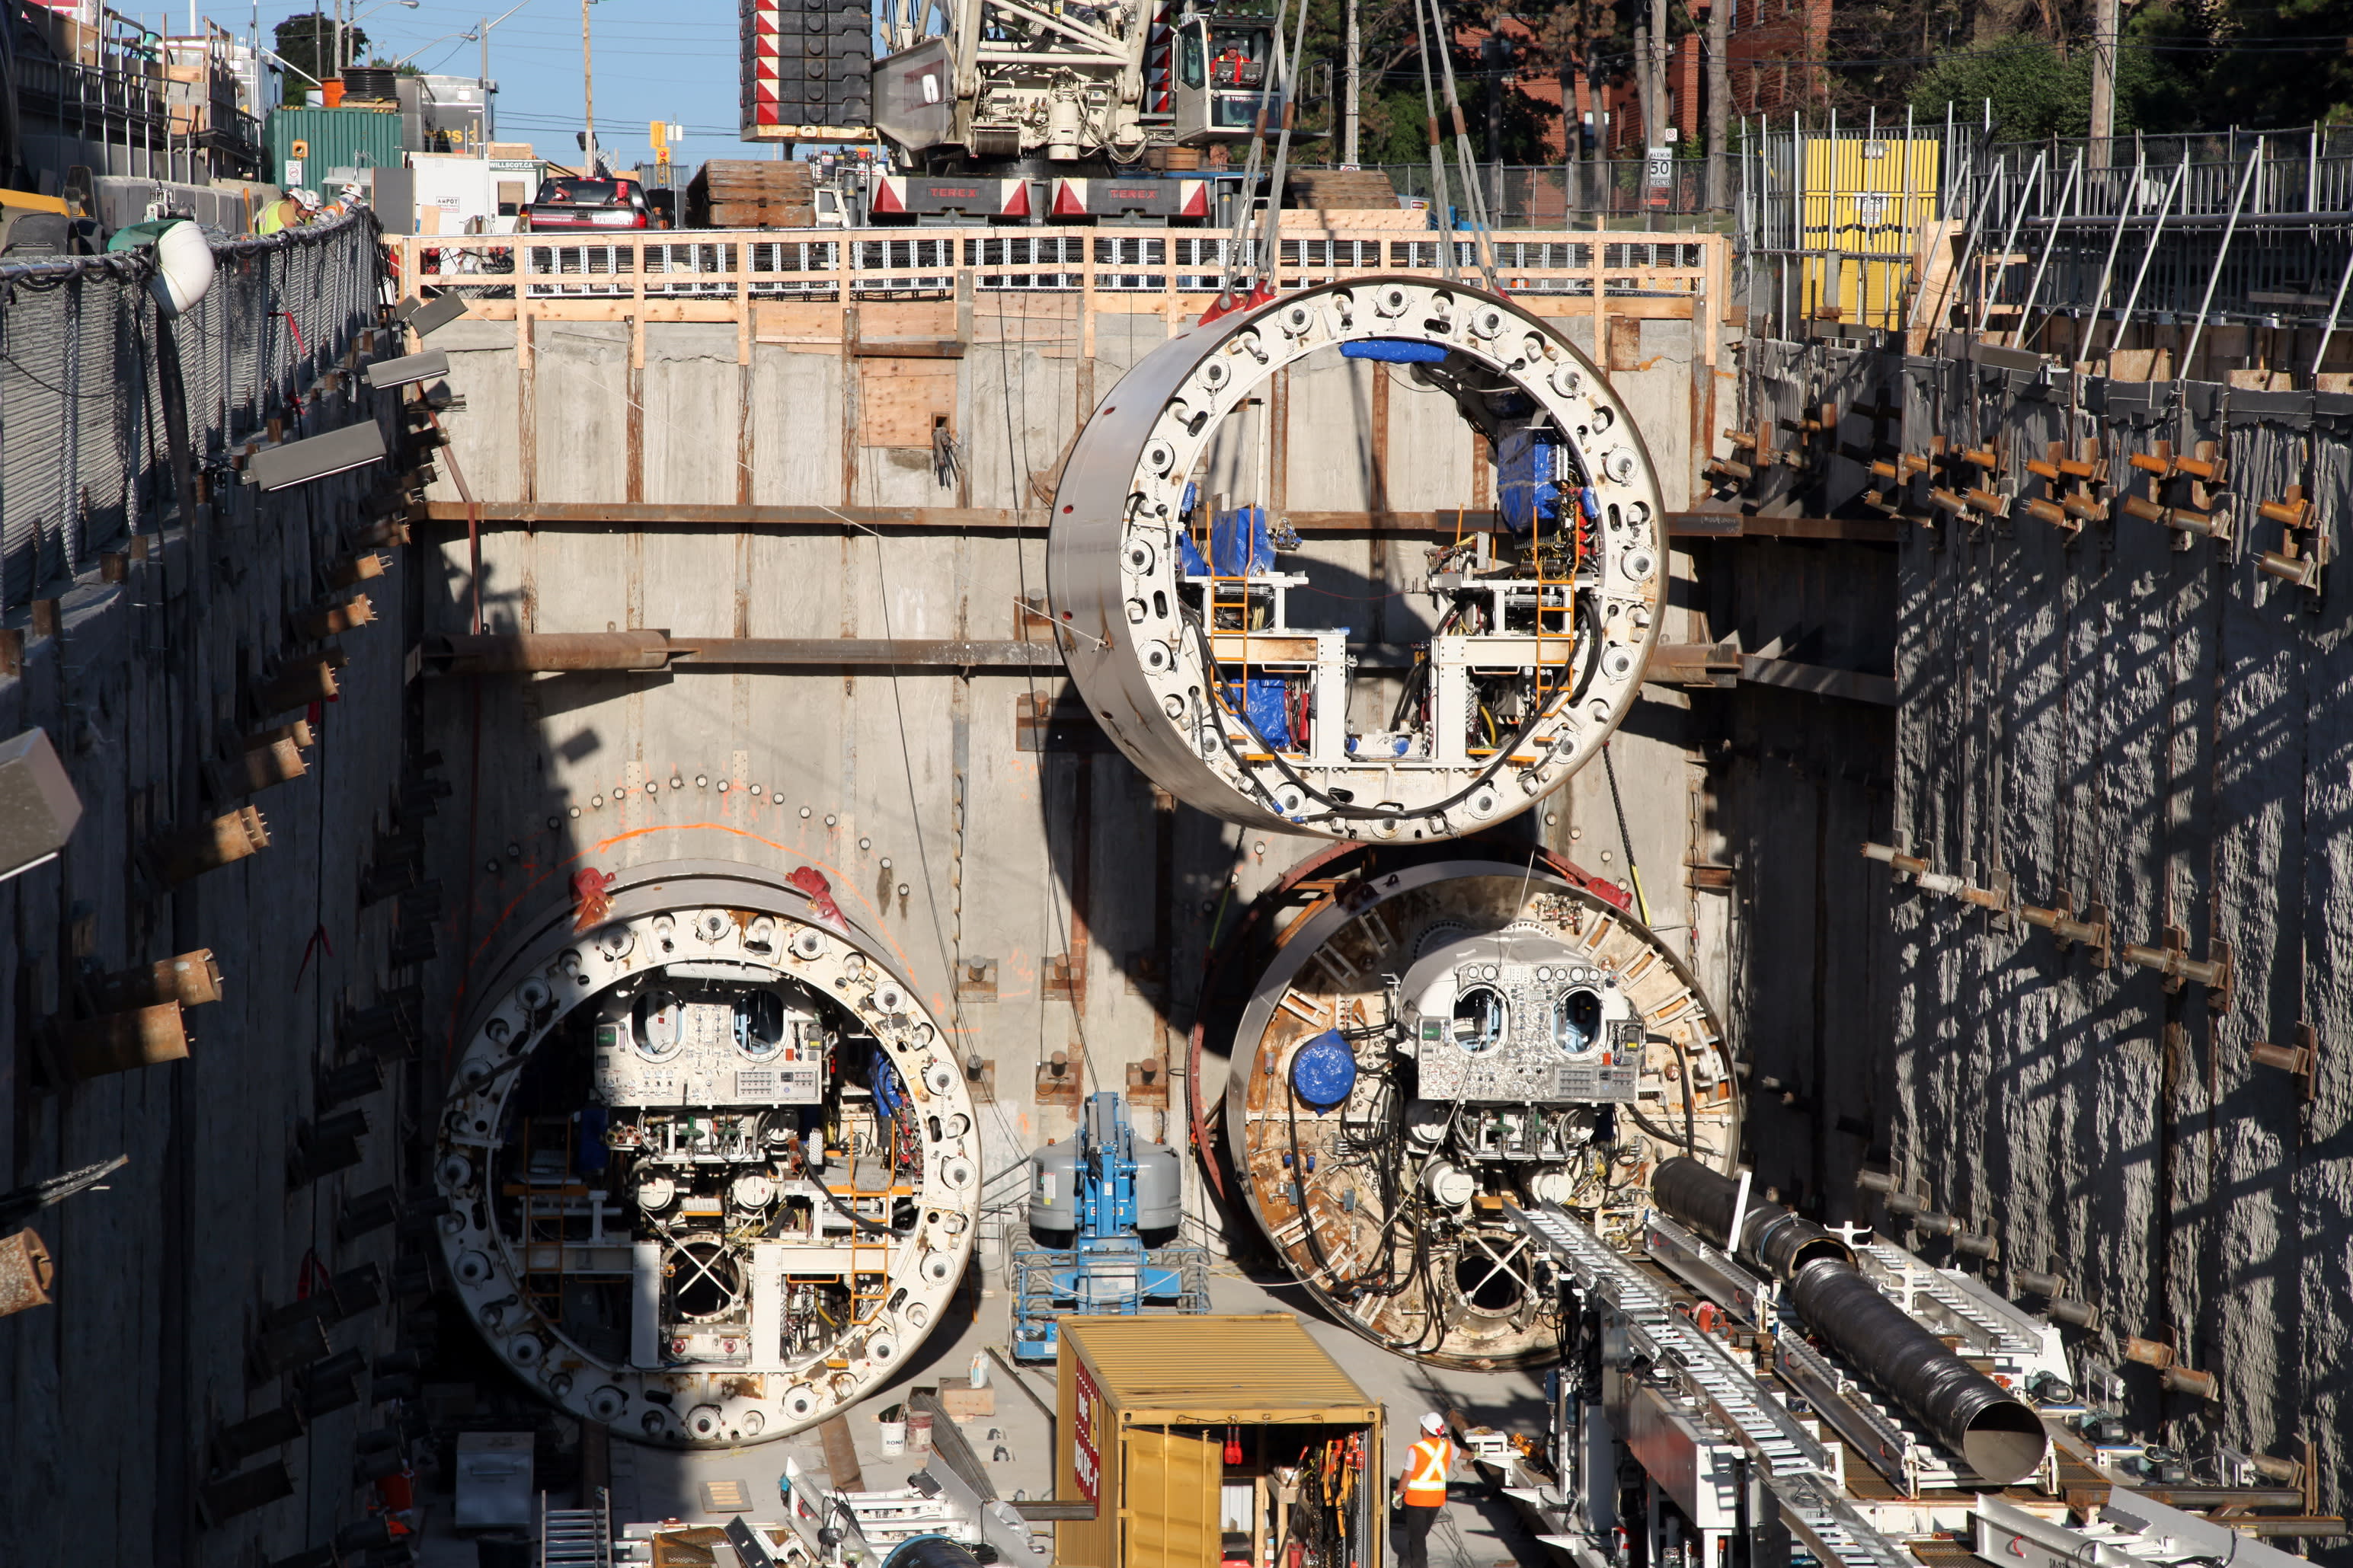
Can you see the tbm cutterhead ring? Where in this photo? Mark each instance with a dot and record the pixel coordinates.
(712, 1172)
(1175, 635)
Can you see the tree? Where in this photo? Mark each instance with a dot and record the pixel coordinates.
(2281, 65)
(1394, 123)
(2038, 91)
(306, 42)
(2034, 93)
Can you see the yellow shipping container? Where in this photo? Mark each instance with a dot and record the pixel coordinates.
(1869, 199)
(1177, 1428)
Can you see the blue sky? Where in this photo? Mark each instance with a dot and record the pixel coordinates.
(656, 59)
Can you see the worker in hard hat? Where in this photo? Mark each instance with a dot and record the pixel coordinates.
(1422, 1491)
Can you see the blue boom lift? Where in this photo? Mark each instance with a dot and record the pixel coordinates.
(1104, 1189)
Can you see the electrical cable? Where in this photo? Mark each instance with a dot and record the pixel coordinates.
(1691, 1091)
(860, 1221)
(1626, 839)
(1688, 1141)
(1347, 1290)
(1017, 444)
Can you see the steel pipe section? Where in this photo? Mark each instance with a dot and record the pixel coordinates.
(1998, 1435)
(713, 1173)
(1175, 622)
(1444, 1036)
(1774, 1238)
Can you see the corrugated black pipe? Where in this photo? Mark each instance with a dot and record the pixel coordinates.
(1999, 1435)
(1772, 1237)
(931, 1552)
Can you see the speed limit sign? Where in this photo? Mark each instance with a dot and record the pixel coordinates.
(1657, 171)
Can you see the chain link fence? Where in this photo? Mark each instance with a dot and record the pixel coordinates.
(83, 452)
(1597, 192)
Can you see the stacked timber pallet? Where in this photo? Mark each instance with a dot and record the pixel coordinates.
(743, 192)
(1340, 190)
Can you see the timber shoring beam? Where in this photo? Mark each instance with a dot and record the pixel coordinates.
(1721, 665)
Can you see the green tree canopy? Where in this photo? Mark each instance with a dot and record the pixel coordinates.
(307, 43)
(1395, 121)
(2037, 91)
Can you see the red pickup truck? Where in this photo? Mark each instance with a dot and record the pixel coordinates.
(566, 205)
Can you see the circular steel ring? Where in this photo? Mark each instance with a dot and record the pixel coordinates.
(554, 970)
(1113, 565)
(1306, 987)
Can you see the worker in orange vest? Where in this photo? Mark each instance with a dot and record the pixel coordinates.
(1422, 1491)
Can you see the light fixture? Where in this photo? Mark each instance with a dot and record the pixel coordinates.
(38, 808)
(298, 462)
(391, 373)
(429, 315)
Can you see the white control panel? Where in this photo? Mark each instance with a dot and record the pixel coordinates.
(750, 1049)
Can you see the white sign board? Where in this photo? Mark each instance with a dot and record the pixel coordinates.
(1659, 176)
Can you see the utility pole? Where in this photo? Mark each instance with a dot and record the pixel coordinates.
(1719, 104)
(1351, 118)
(1644, 100)
(1601, 121)
(1493, 53)
(1657, 130)
(2104, 80)
(1572, 136)
(587, 94)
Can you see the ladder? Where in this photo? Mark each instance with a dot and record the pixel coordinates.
(546, 1198)
(576, 1537)
(1237, 607)
(868, 1259)
(1545, 688)
(870, 1255)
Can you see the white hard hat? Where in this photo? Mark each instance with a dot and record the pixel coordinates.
(1433, 1422)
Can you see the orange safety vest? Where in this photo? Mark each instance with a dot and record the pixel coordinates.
(1426, 1464)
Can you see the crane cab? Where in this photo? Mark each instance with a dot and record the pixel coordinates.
(1223, 64)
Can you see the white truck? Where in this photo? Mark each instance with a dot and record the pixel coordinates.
(1020, 110)
(1102, 84)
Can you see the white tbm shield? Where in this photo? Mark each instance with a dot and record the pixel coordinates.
(712, 1171)
(1183, 627)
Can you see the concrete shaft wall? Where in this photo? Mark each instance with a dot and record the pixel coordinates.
(145, 681)
(1044, 900)
(2135, 723)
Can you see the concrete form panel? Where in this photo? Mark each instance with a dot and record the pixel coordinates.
(1430, 450)
(796, 431)
(692, 394)
(581, 372)
(482, 373)
(1329, 463)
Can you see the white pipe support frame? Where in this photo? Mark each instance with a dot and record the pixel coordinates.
(712, 916)
(1112, 568)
